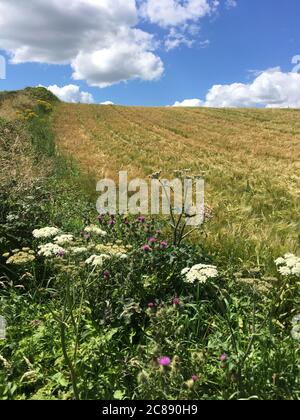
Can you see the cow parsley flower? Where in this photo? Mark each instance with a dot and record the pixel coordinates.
(95, 230)
(79, 250)
(119, 251)
(21, 258)
(51, 250)
(288, 265)
(97, 260)
(199, 273)
(63, 239)
(47, 232)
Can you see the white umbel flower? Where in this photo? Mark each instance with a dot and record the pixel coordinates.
(47, 232)
(97, 260)
(79, 250)
(199, 273)
(95, 230)
(63, 239)
(289, 265)
(51, 250)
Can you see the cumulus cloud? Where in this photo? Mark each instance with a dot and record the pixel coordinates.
(166, 13)
(98, 38)
(71, 93)
(271, 88)
(106, 103)
(180, 18)
(189, 103)
(128, 56)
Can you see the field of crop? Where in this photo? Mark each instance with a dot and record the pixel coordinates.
(126, 307)
(250, 160)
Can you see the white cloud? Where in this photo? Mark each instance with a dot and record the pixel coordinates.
(189, 103)
(176, 38)
(180, 18)
(230, 4)
(127, 57)
(272, 89)
(71, 93)
(98, 38)
(106, 103)
(167, 13)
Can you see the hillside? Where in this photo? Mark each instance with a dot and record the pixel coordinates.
(104, 307)
(250, 160)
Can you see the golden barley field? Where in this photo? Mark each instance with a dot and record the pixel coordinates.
(250, 160)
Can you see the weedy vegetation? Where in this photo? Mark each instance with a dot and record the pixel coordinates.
(112, 307)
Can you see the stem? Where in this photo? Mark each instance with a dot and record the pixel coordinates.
(68, 361)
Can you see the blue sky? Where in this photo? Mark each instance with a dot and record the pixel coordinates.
(229, 44)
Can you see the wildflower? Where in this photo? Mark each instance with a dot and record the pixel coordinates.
(224, 358)
(176, 301)
(51, 250)
(280, 261)
(152, 240)
(106, 275)
(47, 232)
(118, 251)
(63, 239)
(285, 271)
(79, 250)
(61, 253)
(195, 378)
(164, 244)
(147, 248)
(97, 260)
(112, 222)
(141, 219)
(288, 265)
(20, 258)
(150, 305)
(164, 361)
(200, 273)
(93, 229)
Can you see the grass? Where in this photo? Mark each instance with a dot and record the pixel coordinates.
(249, 159)
(95, 323)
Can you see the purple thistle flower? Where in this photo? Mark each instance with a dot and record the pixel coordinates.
(152, 240)
(106, 275)
(147, 248)
(141, 219)
(151, 305)
(126, 221)
(164, 244)
(176, 301)
(195, 378)
(164, 361)
(61, 253)
(87, 236)
(158, 232)
(224, 358)
(112, 222)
